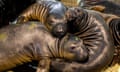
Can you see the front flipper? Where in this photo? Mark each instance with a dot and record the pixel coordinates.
(44, 65)
(20, 19)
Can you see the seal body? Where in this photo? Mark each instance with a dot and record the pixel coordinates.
(94, 32)
(113, 23)
(49, 13)
(22, 43)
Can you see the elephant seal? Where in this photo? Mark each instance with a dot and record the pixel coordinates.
(22, 43)
(49, 13)
(94, 32)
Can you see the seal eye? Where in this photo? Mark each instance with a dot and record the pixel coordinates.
(76, 38)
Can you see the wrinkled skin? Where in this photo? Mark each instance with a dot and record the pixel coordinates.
(49, 13)
(92, 29)
(94, 32)
(23, 43)
(113, 22)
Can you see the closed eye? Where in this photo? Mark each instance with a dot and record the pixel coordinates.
(77, 39)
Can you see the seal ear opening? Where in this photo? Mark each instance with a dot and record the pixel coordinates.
(99, 8)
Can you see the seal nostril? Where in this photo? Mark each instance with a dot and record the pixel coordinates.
(60, 32)
(60, 29)
(73, 48)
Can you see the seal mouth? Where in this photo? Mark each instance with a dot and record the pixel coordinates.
(81, 57)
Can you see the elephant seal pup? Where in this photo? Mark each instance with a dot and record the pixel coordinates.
(49, 13)
(22, 43)
(94, 32)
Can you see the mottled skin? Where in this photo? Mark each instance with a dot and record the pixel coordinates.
(94, 32)
(22, 43)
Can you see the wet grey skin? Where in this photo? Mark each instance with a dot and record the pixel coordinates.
(49, 13)
(94, 32)
(23, 43)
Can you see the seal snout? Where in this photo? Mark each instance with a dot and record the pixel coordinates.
(60, 30)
